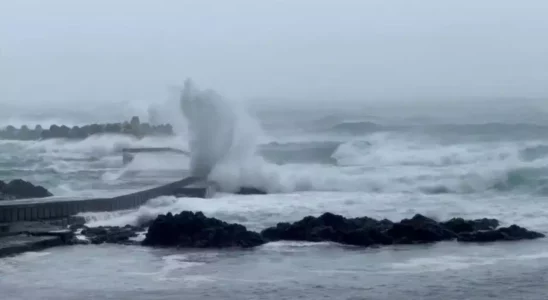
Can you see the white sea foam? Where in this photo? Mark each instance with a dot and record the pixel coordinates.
(259, 211)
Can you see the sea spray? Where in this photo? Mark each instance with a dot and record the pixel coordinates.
(221, 135)
(223, 143)
(211, 128)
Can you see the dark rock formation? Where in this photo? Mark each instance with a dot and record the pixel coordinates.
(512, 233)
(76, 222)
(195, 230)
(330, 227)
(20, 189)
(111, 234)
(189, 229)
(459, 225)
(419, 229)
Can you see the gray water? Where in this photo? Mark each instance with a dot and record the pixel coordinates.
(383, 164)
(276, 271)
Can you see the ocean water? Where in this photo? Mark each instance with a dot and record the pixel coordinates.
(383, 161)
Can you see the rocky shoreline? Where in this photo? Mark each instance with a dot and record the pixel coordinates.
(194, 230)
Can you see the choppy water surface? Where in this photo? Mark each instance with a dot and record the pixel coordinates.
(354, 163)
(280, 271)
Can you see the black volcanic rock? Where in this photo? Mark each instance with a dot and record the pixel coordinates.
(111, 234)
(459, 225)
(20, 189)
(194, 230)
(511, 233)
(362, 231)
(417, 230)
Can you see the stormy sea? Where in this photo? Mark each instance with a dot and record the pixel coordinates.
(471, 159)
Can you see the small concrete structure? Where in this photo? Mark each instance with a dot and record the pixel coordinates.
(201, 189)
(15, 244)
(32, 236)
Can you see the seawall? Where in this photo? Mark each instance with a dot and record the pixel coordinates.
(129, 153)
(41, 209)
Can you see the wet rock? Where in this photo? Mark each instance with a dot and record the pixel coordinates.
(94, 231)
(512, 233)
(331, 227)
(110, 234)
(459, 225)
(417, 230)
(78, 241)
(21, 189)
(76, 222)
(194, 230)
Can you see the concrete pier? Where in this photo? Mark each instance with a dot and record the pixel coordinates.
(42, 209)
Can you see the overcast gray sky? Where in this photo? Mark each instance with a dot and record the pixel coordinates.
(112, 51)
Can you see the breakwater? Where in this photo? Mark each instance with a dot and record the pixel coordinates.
(128, 154)
(42, 209)
(134, 127)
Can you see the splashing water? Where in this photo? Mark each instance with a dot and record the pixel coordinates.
(211, 128)
(222, 136)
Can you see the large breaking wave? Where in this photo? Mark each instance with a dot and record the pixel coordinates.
(224, 145)
(229, 146)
